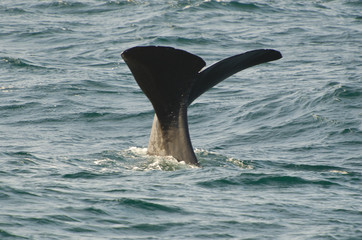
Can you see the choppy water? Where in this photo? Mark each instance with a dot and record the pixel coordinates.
(280, 144)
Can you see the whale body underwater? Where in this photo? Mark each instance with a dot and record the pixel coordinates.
(172, 79)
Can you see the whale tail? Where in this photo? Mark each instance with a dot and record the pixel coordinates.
(171, 79)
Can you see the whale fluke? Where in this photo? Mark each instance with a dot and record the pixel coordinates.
(171, 79)
(229, 66)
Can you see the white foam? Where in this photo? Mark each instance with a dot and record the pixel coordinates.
(137, 151)
(239, 163)
(137, 159)
(338, 171)
(148, 162)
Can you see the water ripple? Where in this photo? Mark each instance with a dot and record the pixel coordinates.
(149, 206)
(279, 144)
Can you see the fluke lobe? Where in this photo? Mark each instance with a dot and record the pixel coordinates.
(172, 80)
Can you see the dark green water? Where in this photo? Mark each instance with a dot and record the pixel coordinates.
(280, 144)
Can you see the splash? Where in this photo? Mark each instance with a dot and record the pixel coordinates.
(210, 158)
(137, 159)
(239, 163)
(144, 162)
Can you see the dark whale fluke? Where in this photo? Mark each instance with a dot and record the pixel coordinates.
(171, 79)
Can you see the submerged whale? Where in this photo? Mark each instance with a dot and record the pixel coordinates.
(172, 79)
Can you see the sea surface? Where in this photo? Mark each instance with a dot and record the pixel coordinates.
(279, 144)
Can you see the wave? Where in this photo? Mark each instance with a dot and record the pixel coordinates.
(21, 158)
(12, 10)
(46, 32)
(83, 175)
(17, 191)
(148, 205)
(230, 5)
(216, 4)
(20, 63)
(261, 179)
(61, 5)
(77, 7)
(313, 168)
(92, 116)
(170, 40)
(7, 235)
(347, 92)
(335, 92)
(19, 106)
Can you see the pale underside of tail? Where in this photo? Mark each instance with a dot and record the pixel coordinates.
(171, 79)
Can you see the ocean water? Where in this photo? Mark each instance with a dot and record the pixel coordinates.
(280, 144)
